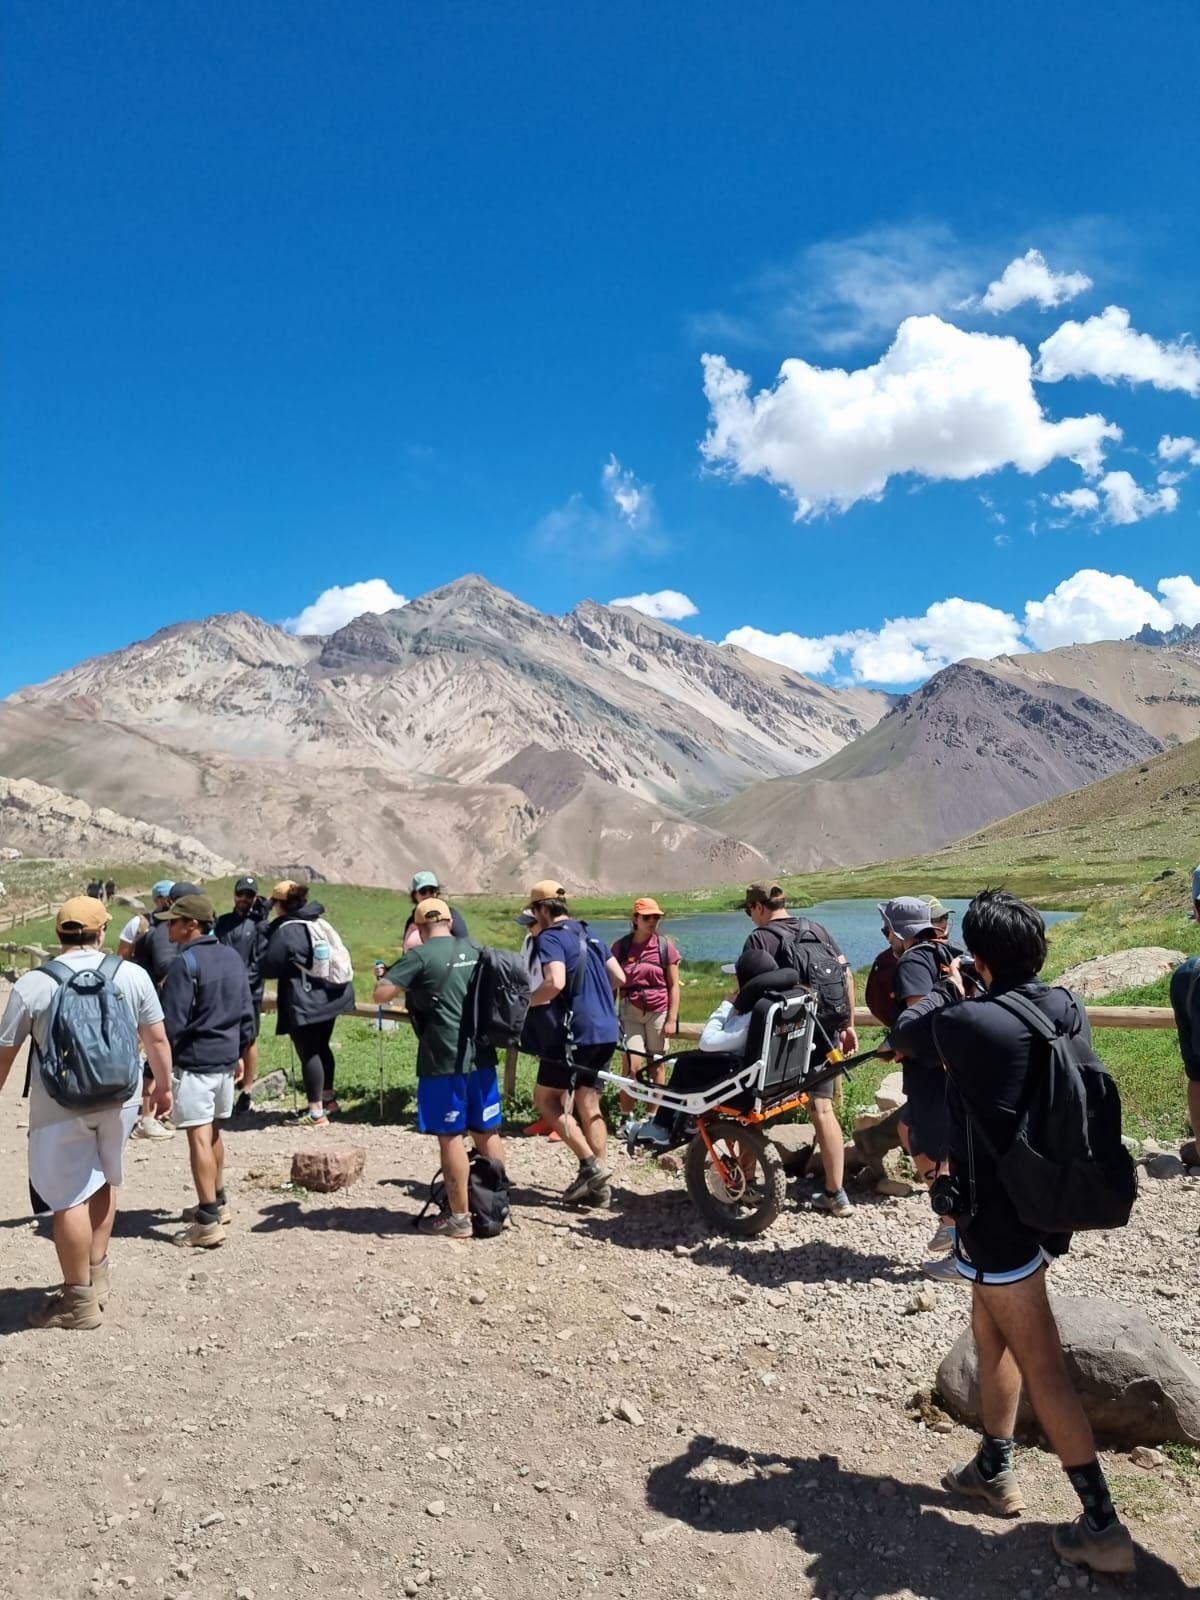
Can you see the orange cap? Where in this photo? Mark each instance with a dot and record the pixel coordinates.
(647, 908)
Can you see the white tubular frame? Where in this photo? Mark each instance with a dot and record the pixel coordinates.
(748, 1076)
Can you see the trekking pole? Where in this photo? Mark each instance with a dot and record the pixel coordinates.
(379, 1031)
(292, 1075)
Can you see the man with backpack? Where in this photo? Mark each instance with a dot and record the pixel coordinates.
(1185, 1002)
(86, 1013)
(210, 1023)
(457, 1089)
(811, 952)
(572, 1029)
(1028, 1103)
(244, 930)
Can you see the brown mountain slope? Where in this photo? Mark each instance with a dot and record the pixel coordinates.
(965, 748)
(1156, 687)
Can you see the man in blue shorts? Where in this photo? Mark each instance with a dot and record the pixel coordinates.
(457, 1091)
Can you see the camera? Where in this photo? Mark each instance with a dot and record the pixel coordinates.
(946, 1196)
(970, 977)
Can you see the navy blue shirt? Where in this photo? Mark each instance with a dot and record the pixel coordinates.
(1185, 1001)
(594, 1012)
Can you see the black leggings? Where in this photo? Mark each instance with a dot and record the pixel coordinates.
(316, 1058)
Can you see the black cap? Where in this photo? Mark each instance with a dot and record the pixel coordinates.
(246, 886)
(178, 890)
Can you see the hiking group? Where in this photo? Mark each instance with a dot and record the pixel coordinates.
(986, 1049)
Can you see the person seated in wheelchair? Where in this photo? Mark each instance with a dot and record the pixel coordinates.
(722, 1045)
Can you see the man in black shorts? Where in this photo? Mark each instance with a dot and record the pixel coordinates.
(579, 981)
(989, 1054)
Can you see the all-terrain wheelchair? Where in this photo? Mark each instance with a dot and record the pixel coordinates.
(717, 1104)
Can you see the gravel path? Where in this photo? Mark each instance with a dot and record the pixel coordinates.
(618, 1403)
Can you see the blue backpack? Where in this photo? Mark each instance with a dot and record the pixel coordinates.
(91, 1057)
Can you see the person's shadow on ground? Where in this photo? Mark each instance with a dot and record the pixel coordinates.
(868, 1535)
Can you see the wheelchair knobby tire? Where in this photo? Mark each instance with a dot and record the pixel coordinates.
(743, 1215)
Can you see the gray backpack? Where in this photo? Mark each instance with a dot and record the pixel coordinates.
(91, 1057)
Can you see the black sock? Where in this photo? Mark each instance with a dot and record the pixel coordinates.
(220, 1197)
(1089, 1484)
(207, 1214)
(994, 1455)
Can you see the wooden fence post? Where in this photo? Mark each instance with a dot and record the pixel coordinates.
(510, 1071)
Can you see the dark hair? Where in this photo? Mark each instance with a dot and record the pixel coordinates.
(556, 908)
(1007, 935)
(769, 895)
(297, 896)
(78, 938)
(753, 964)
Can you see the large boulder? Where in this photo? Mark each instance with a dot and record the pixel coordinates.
(1136, 1386)
(326, 1170)
(890, 1094)
(794, 1141)
(1123, 969)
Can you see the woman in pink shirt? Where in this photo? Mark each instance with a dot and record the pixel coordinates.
(649, 998)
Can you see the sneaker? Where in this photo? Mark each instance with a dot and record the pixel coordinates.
(598, 1199)
(242, 1104)
(834, 1205)
(72, 1306)
(1109, 1550)
(942, 1269)
(201, 1236)
(647, 1132)
(447, 1226)
(152, 1128)
(592, 1175)
(942, 1241)
(1002, 1492)
(102, 1281)
(190, 1213)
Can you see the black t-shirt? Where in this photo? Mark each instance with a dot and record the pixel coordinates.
(772, 935)
(917, 972)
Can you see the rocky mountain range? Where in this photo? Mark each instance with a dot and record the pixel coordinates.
(469, 732)
(466, 731)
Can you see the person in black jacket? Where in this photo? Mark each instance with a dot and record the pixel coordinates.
(244, 929)
(308, 1006)
(989, 1055)
(209, 1018)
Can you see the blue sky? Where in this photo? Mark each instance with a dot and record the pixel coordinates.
(298, 296)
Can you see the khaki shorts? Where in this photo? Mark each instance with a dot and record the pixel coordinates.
(645, 1032)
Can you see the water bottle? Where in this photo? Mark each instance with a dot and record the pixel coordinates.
(320, 956)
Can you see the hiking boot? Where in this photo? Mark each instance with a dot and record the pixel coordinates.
(191, 1213)
(942, 1269)
(72, 1306)
(447, 1226)
(242, 1104)
(598, 1199)
(1002, 1493)
(201, 1236)
(592, 1175)
(102, 1281)
(1107, 1550)
(152, 1128)
(834, 1205)
(942, 1241)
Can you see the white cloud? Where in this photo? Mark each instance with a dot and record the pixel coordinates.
(335, 607)
(1088, 606)
(1117, 499)
(1092, 605)
(626, 519)
(1177, 449)
(1181, 596)
(1029, 278)
(1108, 348)
(941, 403)
(668, 605)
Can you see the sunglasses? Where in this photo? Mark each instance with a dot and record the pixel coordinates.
(649, 916)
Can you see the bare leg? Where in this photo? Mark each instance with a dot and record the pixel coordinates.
(218, 1150)
(999, 1377)
(250, 1061)
(489, 1144)
(1021, 1315)
(550, 1103)
(591, 1122)
(204, 1162)
(831, 1143)
(73, 1244)
(455, 1171)
(102, 1213)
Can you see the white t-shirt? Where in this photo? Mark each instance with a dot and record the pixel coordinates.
(132, 930)
(28, 1009)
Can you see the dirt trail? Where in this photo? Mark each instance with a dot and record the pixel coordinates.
(331, 1405)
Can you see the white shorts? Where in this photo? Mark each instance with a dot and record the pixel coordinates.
(70, 1159)
(201, 1098)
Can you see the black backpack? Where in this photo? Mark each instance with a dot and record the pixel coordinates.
(1066, 1170)
(625, 945)
(820, 968)
(487, 1196)
(498, 998)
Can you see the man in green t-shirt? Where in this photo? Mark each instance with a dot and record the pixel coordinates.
(457, 1091)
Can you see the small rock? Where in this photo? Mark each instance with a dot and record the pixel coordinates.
(921, 1299)
(212, 1519)
(899, 1188)
(411, 1322)
(634, 1313)
(629, 1412)
(436, 1508)
(478, 1297)
(327, 1170)
(338, 1413)
(665, 1308)
(890, 1094)
(1165, 1166)
(657, 1535)
(1144, 1455)
(670, 1162)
